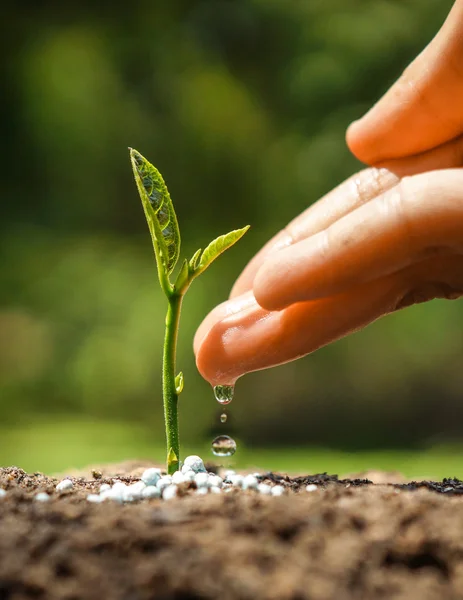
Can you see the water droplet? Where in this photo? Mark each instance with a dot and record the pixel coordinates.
(223, 445)
(224, 393)
(223, 418)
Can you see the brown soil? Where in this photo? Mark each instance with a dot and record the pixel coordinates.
(350, 539)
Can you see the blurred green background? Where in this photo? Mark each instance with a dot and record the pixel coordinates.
(242, 105)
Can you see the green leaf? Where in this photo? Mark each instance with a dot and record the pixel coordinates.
(218, 246)
(194, 260)
(159, 211)
(179, 383)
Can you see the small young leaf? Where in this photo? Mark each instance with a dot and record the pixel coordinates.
(182, 277)
(179, 383)
(172, 461)
(194, 260)
(159, 211)
(218, 246)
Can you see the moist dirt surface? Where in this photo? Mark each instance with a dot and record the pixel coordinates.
(349, 539)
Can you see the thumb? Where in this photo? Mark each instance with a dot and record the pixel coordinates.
(424, 108)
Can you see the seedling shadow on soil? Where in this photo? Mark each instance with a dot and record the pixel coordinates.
(344, 539)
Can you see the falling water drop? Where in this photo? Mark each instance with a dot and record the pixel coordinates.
(224, 393)
(223, 445)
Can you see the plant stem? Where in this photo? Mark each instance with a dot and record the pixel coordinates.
(169, 391)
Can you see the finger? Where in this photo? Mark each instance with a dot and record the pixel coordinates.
(419, 217)
(424, 108)
(252, 338)
(349, 195)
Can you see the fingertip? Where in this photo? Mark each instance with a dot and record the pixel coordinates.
(210, 359)
(219, 346)
(209, 347)
(352, 136)
(267, 290)
(358, 141)
(245, 281)
(295, 274)
(262, 296)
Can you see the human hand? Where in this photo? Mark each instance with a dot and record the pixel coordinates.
(377, 243)
(401, 243)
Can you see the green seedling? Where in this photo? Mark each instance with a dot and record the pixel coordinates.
(165, 235)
